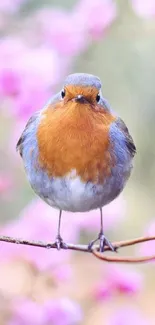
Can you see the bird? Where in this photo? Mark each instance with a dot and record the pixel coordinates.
(77, 152)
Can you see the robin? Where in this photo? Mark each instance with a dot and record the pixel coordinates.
(77, 152)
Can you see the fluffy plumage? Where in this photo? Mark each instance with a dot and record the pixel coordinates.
(78, 156)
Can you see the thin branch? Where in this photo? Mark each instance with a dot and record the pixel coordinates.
(19, 241)
(126, 259)
(84, 248)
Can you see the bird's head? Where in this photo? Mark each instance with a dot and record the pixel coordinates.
(83, 90)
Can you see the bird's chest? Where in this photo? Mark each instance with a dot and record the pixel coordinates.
(81, 146)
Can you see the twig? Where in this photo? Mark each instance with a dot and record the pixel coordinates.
(84, 248)
(126, 259)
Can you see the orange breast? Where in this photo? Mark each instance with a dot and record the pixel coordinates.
(75, 138)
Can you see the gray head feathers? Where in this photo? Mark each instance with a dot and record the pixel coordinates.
(83, 79)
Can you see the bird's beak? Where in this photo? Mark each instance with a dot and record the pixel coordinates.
(80, 99)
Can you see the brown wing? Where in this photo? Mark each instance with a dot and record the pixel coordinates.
(19, 145)
(128, 139)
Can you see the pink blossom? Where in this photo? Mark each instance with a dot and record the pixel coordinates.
(26, 312)
(117, 279)
(10, 82)
(102, 291)
(28, 75)
(38, 221)
(145, 9)
(10, 78)
(10, 47)
(96, 16)
(29, 100)
(127, 316)
(62, 312)
(124, 280)
(113, 213)
(40, 72)
(40, 63)
(69, 40)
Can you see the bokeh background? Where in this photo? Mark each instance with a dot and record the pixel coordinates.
(41, 42)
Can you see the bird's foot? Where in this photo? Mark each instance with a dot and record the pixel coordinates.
(60, 243)
(103, 242)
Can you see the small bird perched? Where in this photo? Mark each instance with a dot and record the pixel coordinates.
(77, 153)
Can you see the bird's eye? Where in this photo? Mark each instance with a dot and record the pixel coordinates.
(63, 93)
(98, 98)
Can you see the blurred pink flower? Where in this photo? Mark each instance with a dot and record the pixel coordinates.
(118, 279)
(10, 47)
(28, 75)
(38, 221)
(143, 8)
(88, 18)
(96, 15)
(124, 280)
(29, 100)
(128, 316)
(102, 291)
(62, 312)
(40, 65)
(10, 78)
(69, 40)
(11, 5)
(148, 248)
(10, 82)
(26, 312)
(113, 213)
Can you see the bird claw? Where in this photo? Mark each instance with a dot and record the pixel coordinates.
(60, 243)
(103, 242)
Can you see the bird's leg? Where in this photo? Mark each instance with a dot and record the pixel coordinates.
(102, 239)
(59, 241)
